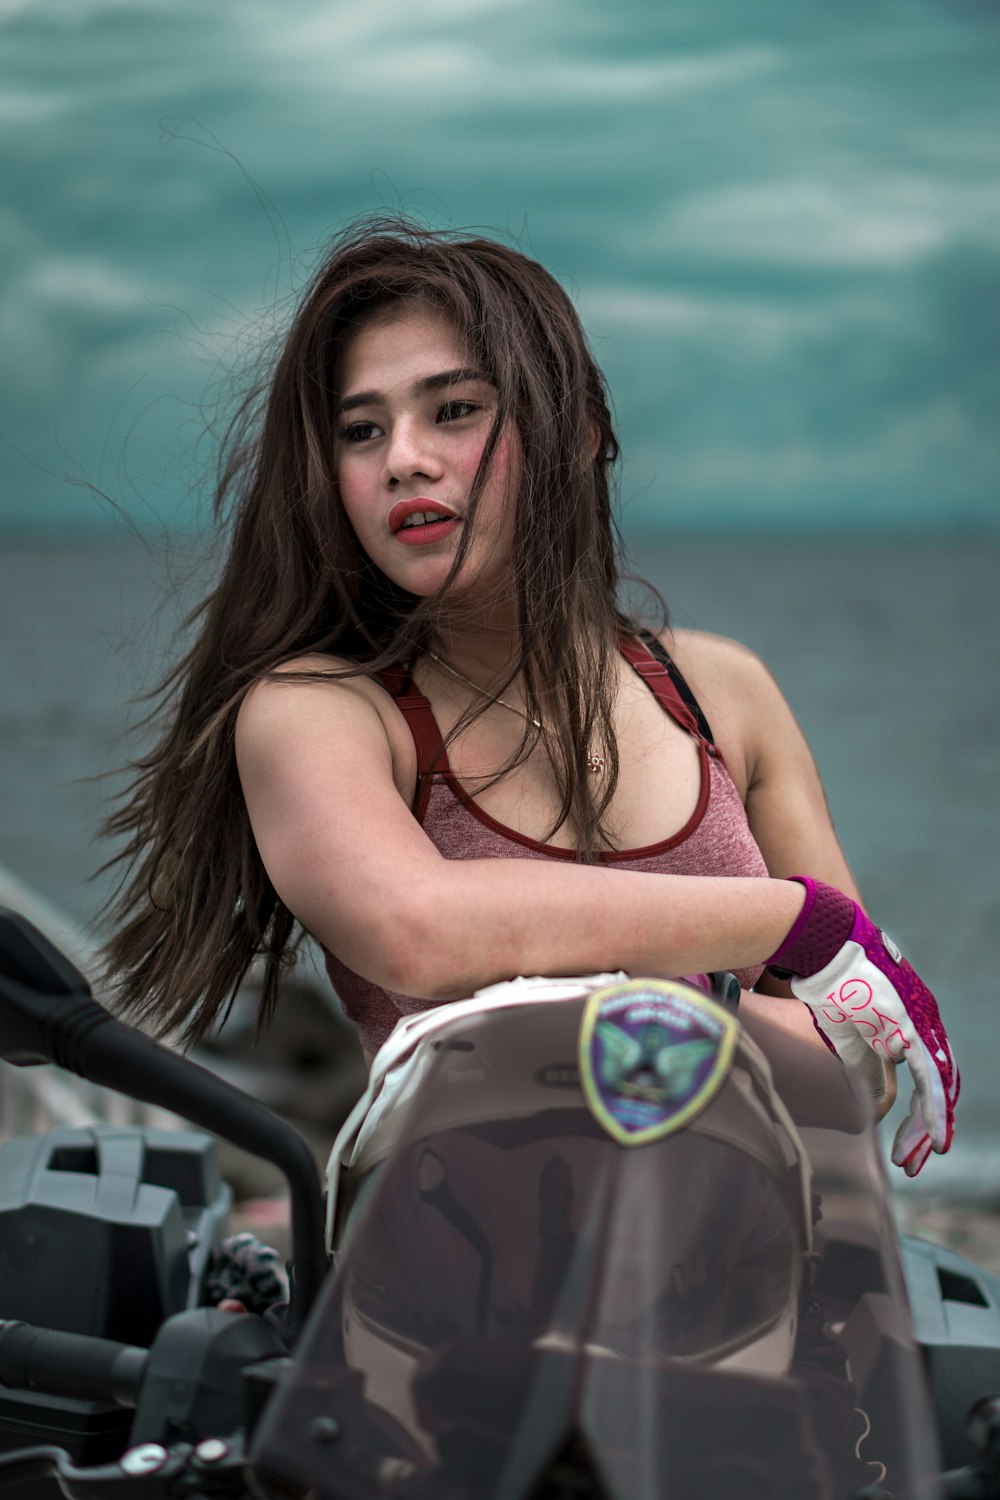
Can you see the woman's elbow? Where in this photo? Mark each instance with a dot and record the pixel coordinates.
(409, 950)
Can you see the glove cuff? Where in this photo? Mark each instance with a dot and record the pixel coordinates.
(821, 929)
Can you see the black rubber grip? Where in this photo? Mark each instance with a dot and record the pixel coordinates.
(69, 1364)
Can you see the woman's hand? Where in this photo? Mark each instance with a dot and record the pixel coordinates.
(863, 993)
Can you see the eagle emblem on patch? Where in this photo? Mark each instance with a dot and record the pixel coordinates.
(653, 1054)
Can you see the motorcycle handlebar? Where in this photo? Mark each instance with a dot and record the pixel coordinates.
(70, 1364)
(49, 1015)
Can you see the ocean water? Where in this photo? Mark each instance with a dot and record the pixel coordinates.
(887, 653)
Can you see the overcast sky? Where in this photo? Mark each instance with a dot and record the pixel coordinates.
(780, 221)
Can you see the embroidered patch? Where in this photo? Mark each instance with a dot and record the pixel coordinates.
(653, 1054)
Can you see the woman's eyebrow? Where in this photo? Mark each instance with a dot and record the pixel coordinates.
(420, 387)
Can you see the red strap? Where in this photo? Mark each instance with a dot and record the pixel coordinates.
(423, 727)
(660, 682)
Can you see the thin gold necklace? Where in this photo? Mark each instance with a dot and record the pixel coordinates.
(595, 763)
(493, 697)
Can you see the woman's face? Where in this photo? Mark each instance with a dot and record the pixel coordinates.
(412, 419)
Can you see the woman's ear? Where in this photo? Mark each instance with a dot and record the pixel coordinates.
(595, 441)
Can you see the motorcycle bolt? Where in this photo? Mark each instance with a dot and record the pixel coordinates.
(324, 1430)
(211, 1450)
(144, 1459)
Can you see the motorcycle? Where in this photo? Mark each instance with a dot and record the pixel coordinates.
(590, 1238)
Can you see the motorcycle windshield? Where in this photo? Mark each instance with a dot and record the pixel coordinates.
(524, 1304)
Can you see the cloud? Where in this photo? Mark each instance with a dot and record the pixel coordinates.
(21, 107)
(740, 324)
(872, 220)
(75, 13)
(88, 286)
(438, 59)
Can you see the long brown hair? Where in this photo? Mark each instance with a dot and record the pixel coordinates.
(194, 906)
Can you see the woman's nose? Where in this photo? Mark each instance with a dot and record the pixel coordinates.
(411, 452)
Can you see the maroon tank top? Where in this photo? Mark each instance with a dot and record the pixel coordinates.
(716, 839)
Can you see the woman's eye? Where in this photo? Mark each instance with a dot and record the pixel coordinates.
(359, 432)
(453, 411)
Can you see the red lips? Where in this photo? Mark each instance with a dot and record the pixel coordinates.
(404, 509)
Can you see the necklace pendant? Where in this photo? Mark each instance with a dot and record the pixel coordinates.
(595, 764)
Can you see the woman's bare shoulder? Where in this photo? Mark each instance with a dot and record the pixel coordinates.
(716, 664)
(736, 691)
(311, 698)
(319, 677)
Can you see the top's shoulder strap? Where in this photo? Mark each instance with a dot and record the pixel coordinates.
(653, 662)
(423, 726)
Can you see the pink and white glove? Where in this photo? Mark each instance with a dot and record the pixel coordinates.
(863, 993)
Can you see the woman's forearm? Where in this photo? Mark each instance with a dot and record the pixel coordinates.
(481, 921)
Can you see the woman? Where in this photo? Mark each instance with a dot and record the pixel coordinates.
(417, 722)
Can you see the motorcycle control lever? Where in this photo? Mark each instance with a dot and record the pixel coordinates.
(146, 1472)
